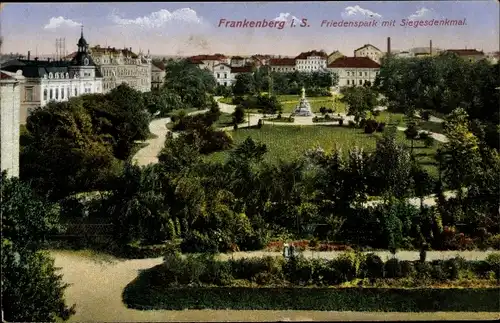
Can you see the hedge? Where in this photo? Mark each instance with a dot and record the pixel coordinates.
(319, 299)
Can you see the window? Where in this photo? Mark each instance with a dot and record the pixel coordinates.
(366, 73)
(45, 95)
(67, 92)
(225, 75)
(348, 74)
(218, 75)
(76, 92)
(347, 80)
(225, 83)
(360, 73)
(360, 82)
(51, 94)
(29, 94)
(62, 93)
(57, 94)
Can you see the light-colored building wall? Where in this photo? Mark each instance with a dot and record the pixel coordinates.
(223, 75)
(157, 77)
(310, 64)
(10, 98)
(355, 76)
(333, 56)
(369, 51)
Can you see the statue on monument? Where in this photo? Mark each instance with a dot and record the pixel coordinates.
(303, 109)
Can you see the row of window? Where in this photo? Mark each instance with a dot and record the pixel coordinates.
(124, 72)
(360, 82)
(56, 93)
(282, 69)
(225, 75)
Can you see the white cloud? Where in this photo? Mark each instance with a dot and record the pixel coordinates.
(357, 11)
(285, 17)
(420, 13)
(56, 22)
(160, 18)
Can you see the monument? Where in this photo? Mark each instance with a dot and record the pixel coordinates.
(303, 109)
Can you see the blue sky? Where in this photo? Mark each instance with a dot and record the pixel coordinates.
(191, 28)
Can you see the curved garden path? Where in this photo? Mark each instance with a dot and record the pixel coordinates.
(97, 283)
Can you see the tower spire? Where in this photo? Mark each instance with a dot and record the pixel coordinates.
(82, 30)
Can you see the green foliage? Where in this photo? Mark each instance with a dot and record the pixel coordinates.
(373, 266)
(239, 115)
(393, 268)
(360, 101)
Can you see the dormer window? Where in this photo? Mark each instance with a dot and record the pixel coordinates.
(56, 75)
(50, 75)
(67, 75)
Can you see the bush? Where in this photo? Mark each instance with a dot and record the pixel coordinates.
(238, 100)
(217, 272)
(329, 111)
(291, 119)
(381, 127)
(393, 268)
(376, 113)
(494, 241)
(362, 123)
(315, 119)
(370, 126)
(195, 242)
(327, 117)
(351, 124)
(429, 141)
(407, 269)
(322, 110)
(346, 266)
(493, 260)
(341, 122)
(453, 267)
(260, 123)
(438, 271)
(425, 115)
(279, 116)
(424, 271)
(373, 266)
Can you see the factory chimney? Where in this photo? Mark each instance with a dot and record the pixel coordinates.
(29, 55)
(388, 45)
(430, 47)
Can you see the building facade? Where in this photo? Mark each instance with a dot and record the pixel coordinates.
(369, 51)
(48, 80)
(157, 75)
(119, 66)
(355, 71)
(311, 61)
(209, 61)
(237, 61)
(472, 55)
(10, 99)
(285, 65)
(223, 75)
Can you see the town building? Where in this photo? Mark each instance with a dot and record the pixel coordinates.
(209, 61)
(237, 61)
(334, 56)
(285, 65)
(369, 51)
(354, 71)
(56, 80)
(10, 99)
(311, 61)
(222, 74)
(157, 75)
(472, 55)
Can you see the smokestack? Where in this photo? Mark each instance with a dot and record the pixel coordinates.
(388, 45)
(29, 55)
(430, 47)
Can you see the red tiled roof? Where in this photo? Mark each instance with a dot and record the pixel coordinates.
(366, 45)
(237, 57)
(282, 61)
(465, 52)
(216, 57)
(354, 62)
(242, 69)
(305, 55)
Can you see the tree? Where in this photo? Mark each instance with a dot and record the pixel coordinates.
(411, 133)
(27, 273)
(239, 115)
(461, 153)
(360, 101)
(269, 104)
(244, 84)
(423, 183)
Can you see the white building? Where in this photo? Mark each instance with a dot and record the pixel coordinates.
(311, 61)
(157, 75)
(56, 80)
(237, 61)
(369, 51)
(10, 93)
(404, 54)
(223, 75)
(354, 70)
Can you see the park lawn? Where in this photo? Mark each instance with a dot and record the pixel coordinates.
(436, 127)
(289, 142)
(290, 101)
(226, 100)
(397, 119)
(225, 120)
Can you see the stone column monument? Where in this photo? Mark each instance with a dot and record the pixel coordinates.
(303, 109)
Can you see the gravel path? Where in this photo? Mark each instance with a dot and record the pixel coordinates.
(97, 285)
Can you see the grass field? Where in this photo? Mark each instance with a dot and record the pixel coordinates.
(286, 142)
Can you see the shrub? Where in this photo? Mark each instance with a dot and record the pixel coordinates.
(341, 122)
(370, 126)
(346, 265)
(423, 135)
(376, 113)
(453, 267)
(429, 142)
(235, 126)
(381, 127)
(238, 99)
(279, 116)
(322, 110)
(494, 241)
(329, 111)
(327, 117)
(291, 119)
(314, 243)
(216, 272)
(351, 124)
(393, 268)
(438, 271)
(373, 266)
(493, 260)
(362, 123)
(425, 115)
(259, 124)
(195, 242)
(424, 271)
(315, 119)
(407, 268)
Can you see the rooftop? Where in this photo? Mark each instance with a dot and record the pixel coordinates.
(354, 62)
(367, 45)
(242, 69)
(282, 61)
(305, 55)
(465, 52)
